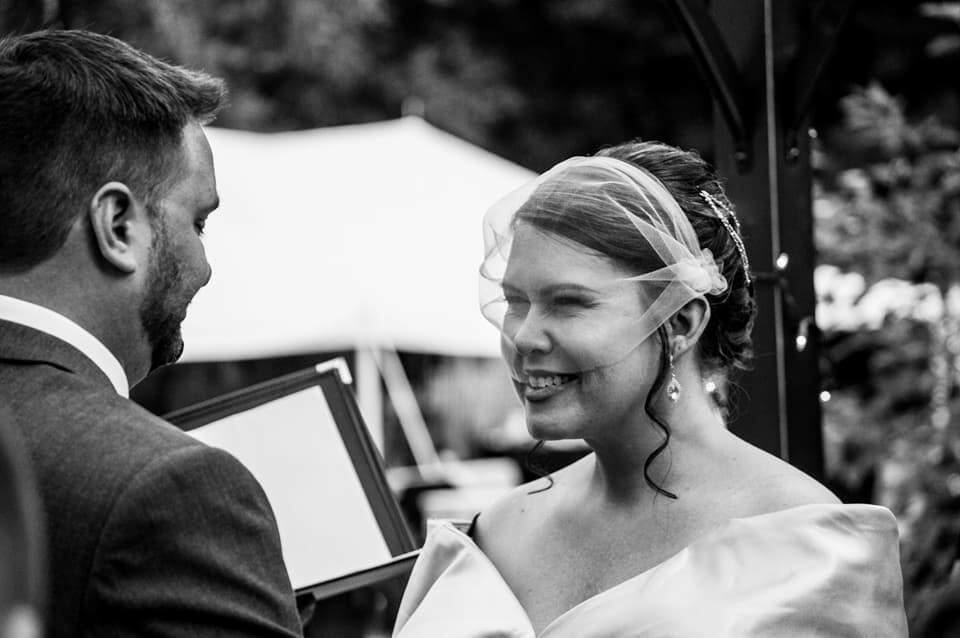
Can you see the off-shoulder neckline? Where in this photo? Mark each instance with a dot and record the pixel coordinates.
(470, 545)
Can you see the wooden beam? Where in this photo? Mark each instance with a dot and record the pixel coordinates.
(751, 47)
(816, 48)
(718, 68)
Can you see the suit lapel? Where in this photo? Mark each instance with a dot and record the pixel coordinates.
(26, 344)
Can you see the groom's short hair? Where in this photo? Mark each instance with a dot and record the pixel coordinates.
(81, 109)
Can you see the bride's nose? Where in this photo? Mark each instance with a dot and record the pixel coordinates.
(529, 335)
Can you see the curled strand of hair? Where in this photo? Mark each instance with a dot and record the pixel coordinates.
(658, 384)
(536, 469)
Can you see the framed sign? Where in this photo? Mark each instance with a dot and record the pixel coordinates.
(302, 437)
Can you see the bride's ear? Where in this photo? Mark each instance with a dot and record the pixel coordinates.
(687, 324)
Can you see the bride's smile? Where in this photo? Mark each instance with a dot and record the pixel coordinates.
(569, 337)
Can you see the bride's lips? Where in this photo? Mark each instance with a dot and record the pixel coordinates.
(540, 385)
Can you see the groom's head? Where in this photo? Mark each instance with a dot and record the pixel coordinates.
(106, 180)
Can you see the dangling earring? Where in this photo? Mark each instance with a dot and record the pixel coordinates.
(673, 388)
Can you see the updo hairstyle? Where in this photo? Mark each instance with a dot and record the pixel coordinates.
(726, 342)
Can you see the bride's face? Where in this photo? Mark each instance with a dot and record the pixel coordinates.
(569, 338)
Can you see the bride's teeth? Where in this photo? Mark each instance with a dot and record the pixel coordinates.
(542, 382)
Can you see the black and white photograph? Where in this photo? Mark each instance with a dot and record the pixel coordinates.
(480, 319)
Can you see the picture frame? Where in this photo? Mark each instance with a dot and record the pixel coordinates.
(303, 438)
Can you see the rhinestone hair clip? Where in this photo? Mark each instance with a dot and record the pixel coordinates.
(725, 215)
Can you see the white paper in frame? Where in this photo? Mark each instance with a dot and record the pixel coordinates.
(302, 437)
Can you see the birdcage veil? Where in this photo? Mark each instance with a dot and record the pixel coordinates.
(565, 202)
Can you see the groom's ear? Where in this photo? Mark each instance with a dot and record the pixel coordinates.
(687, 324)
(121, 227)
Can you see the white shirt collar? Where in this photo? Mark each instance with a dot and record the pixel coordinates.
(54, 324)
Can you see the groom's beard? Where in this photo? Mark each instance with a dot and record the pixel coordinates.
(165, 306)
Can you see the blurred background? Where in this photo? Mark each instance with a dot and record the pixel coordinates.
(507, 87)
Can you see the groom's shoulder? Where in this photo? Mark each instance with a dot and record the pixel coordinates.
(127, 430)
(80, 431)
(113, 422)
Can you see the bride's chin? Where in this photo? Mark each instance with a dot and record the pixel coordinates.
(549, 429)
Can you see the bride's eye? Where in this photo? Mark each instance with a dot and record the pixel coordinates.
(571, 303)
(516, 303)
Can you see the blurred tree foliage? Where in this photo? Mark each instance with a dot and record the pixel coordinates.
(888, 207)
(533, 80)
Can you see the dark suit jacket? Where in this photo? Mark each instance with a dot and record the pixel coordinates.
(150, 533)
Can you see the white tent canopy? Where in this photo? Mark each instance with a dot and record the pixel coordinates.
(346, 237)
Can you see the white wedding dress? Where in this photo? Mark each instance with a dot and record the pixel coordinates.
(813, 570)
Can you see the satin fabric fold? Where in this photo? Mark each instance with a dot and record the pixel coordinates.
(814, 570)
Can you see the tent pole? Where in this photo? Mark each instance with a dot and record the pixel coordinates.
(369, 393)
(411, 419)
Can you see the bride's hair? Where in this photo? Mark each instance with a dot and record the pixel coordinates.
(725, 343)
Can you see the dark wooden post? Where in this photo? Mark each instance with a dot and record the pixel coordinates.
(762, 60)
(760, 412)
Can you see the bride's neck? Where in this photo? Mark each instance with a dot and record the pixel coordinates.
(619, 474)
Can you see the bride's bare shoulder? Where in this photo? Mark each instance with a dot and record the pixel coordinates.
(777, 485)
(523, 508)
